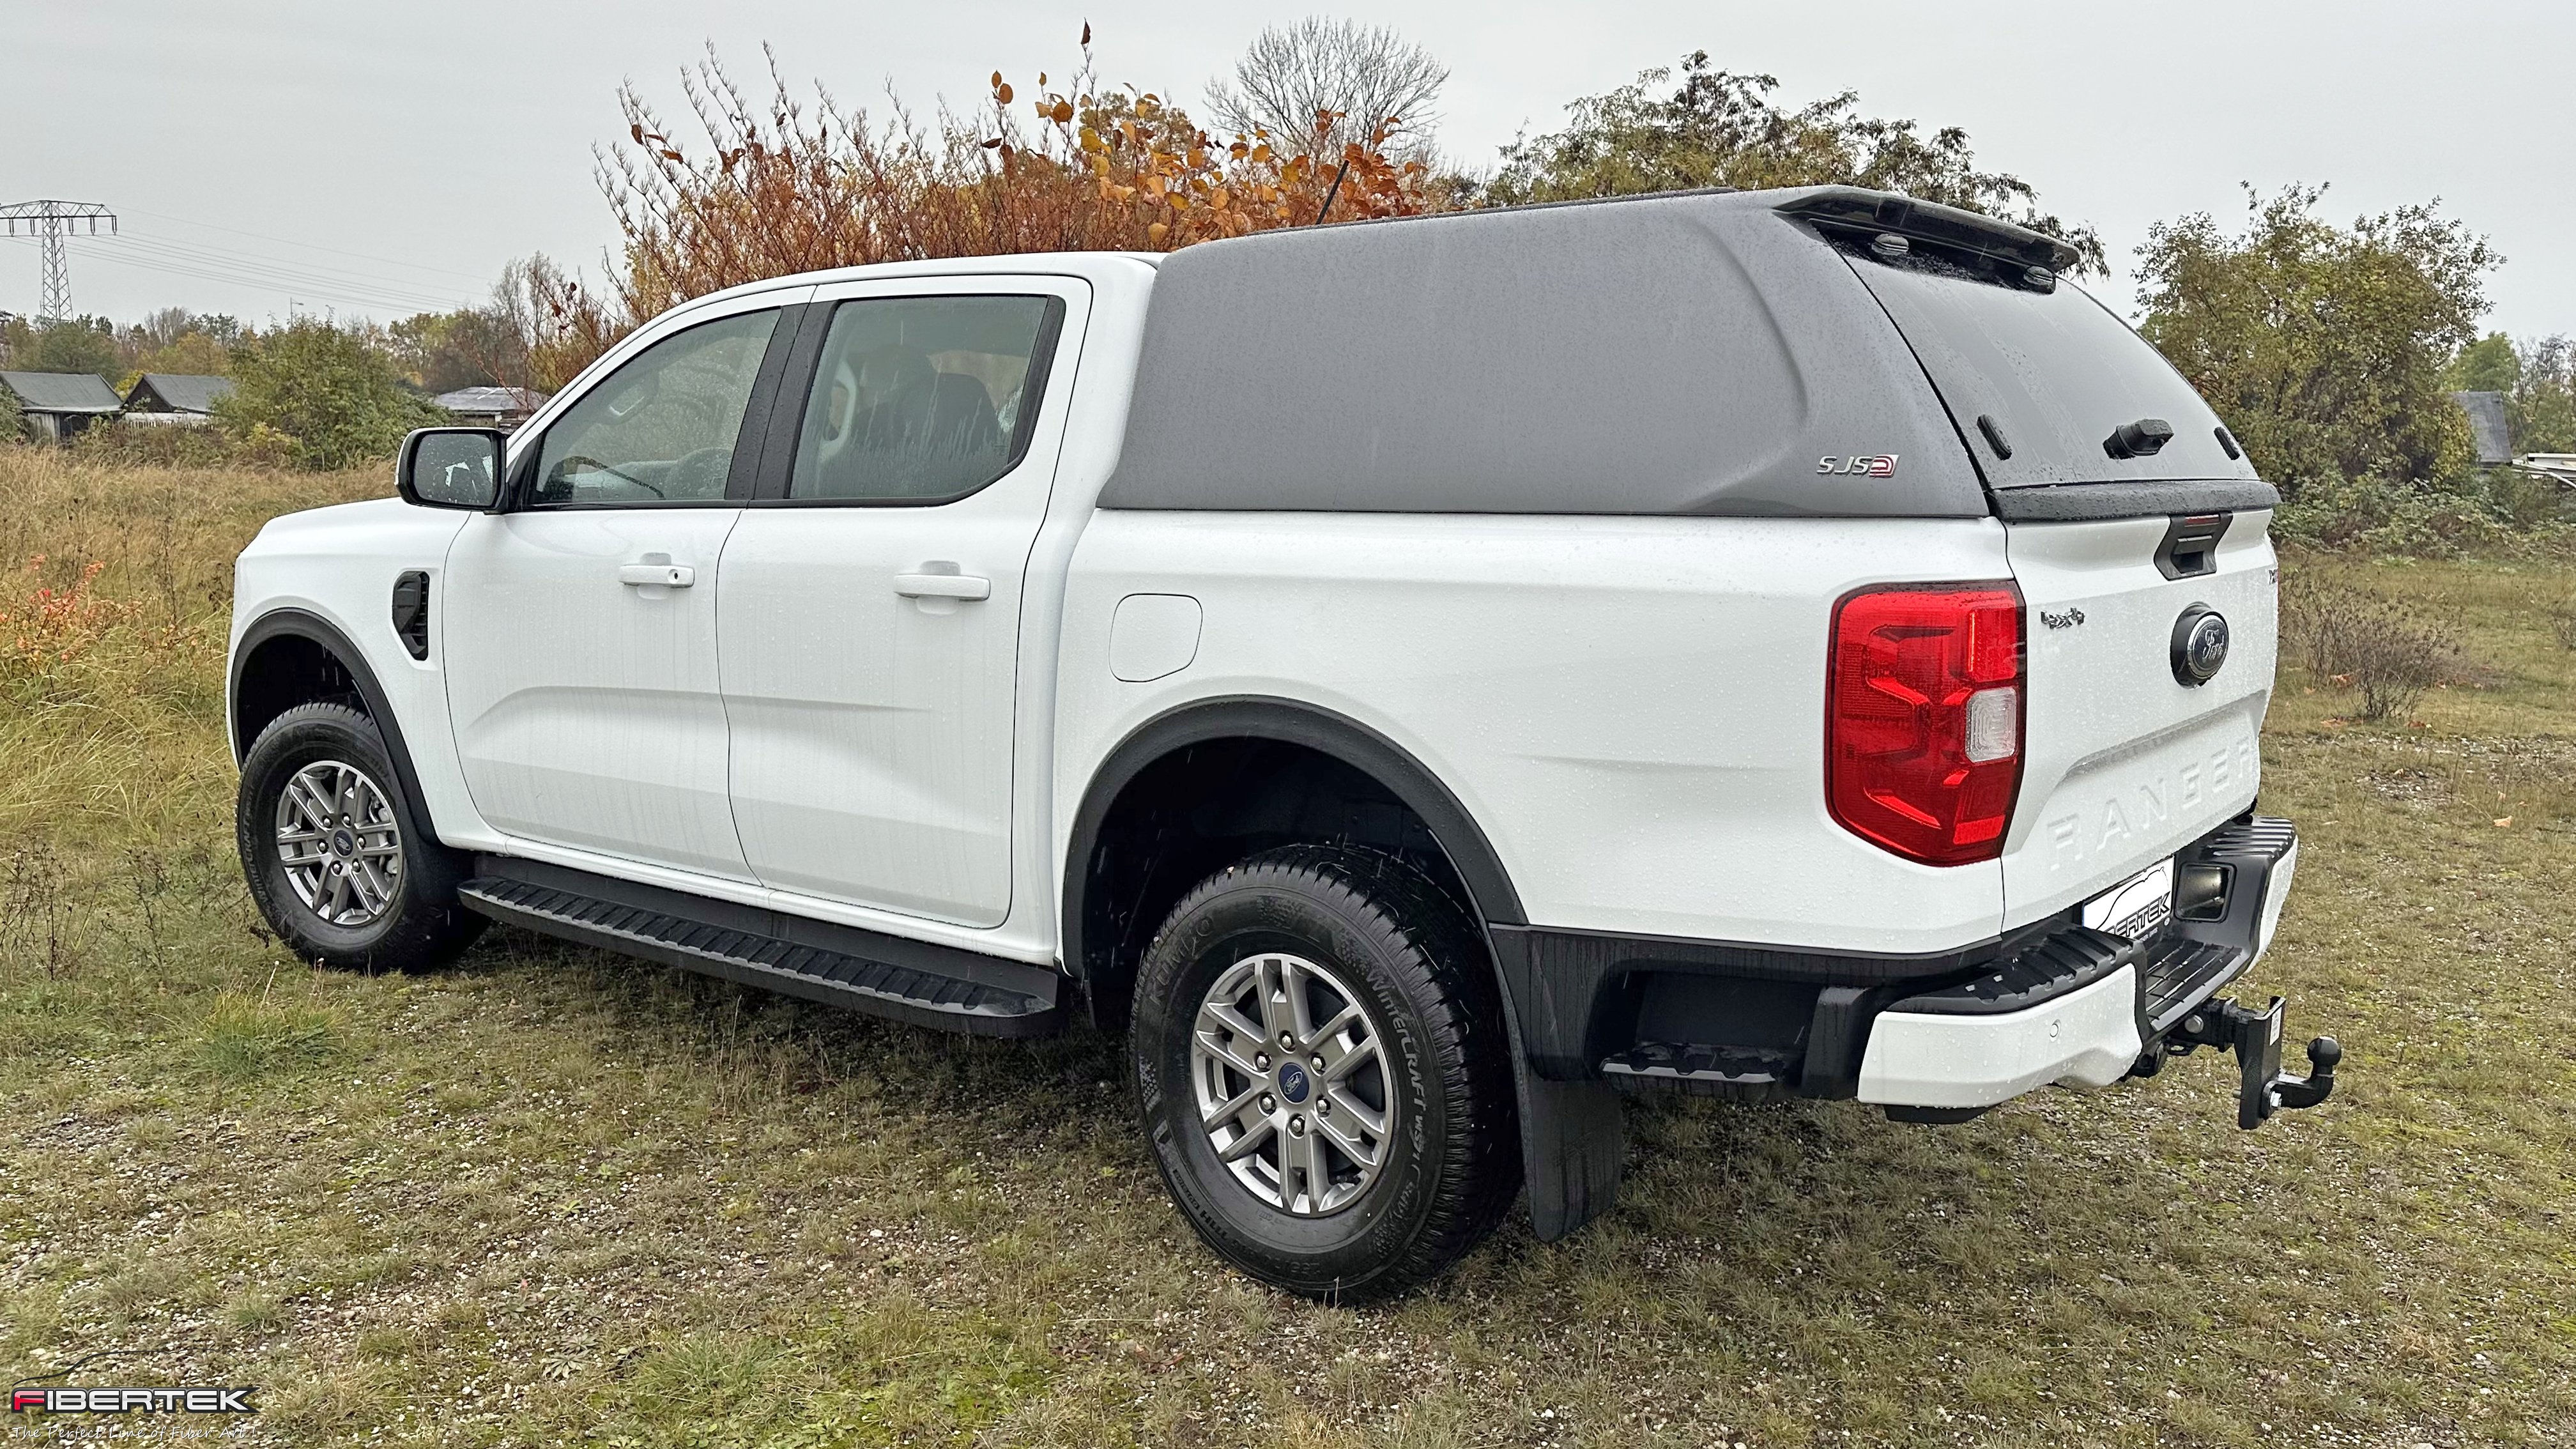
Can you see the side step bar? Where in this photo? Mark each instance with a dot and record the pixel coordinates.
(867, 971)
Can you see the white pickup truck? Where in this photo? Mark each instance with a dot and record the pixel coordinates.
(1416, 680)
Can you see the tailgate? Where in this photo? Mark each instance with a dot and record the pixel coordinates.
(2123, 762)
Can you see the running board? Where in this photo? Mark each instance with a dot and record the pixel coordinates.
(866, 971)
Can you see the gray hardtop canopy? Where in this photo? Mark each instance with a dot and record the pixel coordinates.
(1686, 353)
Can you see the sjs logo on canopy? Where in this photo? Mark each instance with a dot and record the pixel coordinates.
(1872, 465)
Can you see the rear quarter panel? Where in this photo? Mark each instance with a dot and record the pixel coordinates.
(1631, 708)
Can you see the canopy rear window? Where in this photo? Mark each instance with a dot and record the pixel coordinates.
(2051, 371)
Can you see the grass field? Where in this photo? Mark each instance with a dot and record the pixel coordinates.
(552, 1196)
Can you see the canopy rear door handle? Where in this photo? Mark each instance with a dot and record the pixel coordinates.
(943, 586)
(665, 575)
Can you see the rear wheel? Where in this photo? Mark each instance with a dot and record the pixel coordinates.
(335, 855)
(1321, 1064)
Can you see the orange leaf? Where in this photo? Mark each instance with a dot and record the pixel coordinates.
(1063, 112)
(1155, 233)
(1002, 93)
(997, 80)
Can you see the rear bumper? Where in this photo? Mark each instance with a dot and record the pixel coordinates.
(2052, 1002)
(1938, 1038)
(2092, 1018)
(2087, 1037)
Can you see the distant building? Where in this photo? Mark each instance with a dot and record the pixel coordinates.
(2488, 426)
(495, 407)
(58, 405)
(175, 397)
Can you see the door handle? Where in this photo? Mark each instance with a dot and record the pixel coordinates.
(943, 586)
(664, 575)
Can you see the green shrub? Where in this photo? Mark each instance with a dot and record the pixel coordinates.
(2489, 513)
(2351, 638)
(324, 395)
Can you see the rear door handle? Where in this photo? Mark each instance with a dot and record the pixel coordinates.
(943, 586)
(666, 575)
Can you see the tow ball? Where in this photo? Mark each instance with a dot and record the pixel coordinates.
(2255, 1037)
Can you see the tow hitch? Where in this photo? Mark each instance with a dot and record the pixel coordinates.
(2255, 1037)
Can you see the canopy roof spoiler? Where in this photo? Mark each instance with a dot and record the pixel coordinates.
(1849, 208)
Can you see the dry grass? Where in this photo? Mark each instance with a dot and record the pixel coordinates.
(553, 1195)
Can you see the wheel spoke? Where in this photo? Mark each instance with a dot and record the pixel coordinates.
(1361, 1154)
(1306, 1154)
(1370, 1120)
(1268, 977)
(1223, 1014)
(1260, 1131)
(309, 804)
(1217, 1116)
(1298, 982)
(1343, 1020)
(1210, 1043)
(1339, 1065)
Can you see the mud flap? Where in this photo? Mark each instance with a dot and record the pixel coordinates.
(1572, 1144)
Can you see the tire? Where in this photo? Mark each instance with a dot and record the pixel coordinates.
(350, 909)
(1351, 929)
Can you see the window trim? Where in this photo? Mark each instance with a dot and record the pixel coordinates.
(787, 418)
(740, 476)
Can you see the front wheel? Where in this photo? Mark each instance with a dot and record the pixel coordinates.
(333, 853)
(1321, 1063)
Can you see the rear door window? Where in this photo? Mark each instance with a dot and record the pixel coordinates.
(2054, 371)
(923, 400)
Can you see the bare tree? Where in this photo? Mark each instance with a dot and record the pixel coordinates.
(1368, 74)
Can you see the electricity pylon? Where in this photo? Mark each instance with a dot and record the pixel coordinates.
(49, 222)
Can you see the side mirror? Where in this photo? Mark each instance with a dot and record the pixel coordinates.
(451, 467)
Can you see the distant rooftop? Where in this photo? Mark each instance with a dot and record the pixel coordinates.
(61, 392)
(176, 392)
(491, 401)
(2488, 427)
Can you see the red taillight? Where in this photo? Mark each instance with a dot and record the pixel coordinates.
(1923, 719)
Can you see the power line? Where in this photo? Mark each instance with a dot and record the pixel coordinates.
(289, 273)
(313, 246)
(222, 264)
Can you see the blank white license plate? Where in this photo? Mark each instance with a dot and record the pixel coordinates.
(2138, 907)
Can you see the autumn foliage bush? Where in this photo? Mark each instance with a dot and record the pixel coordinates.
(48, 623)
(790, 186)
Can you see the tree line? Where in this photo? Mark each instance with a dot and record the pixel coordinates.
(2330, 347)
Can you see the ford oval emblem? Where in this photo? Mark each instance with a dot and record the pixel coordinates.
(2199, 644)
(1293, 1084)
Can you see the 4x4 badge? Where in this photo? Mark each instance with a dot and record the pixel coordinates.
(1866, 465)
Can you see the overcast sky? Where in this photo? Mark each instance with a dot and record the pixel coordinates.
(375, 159)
